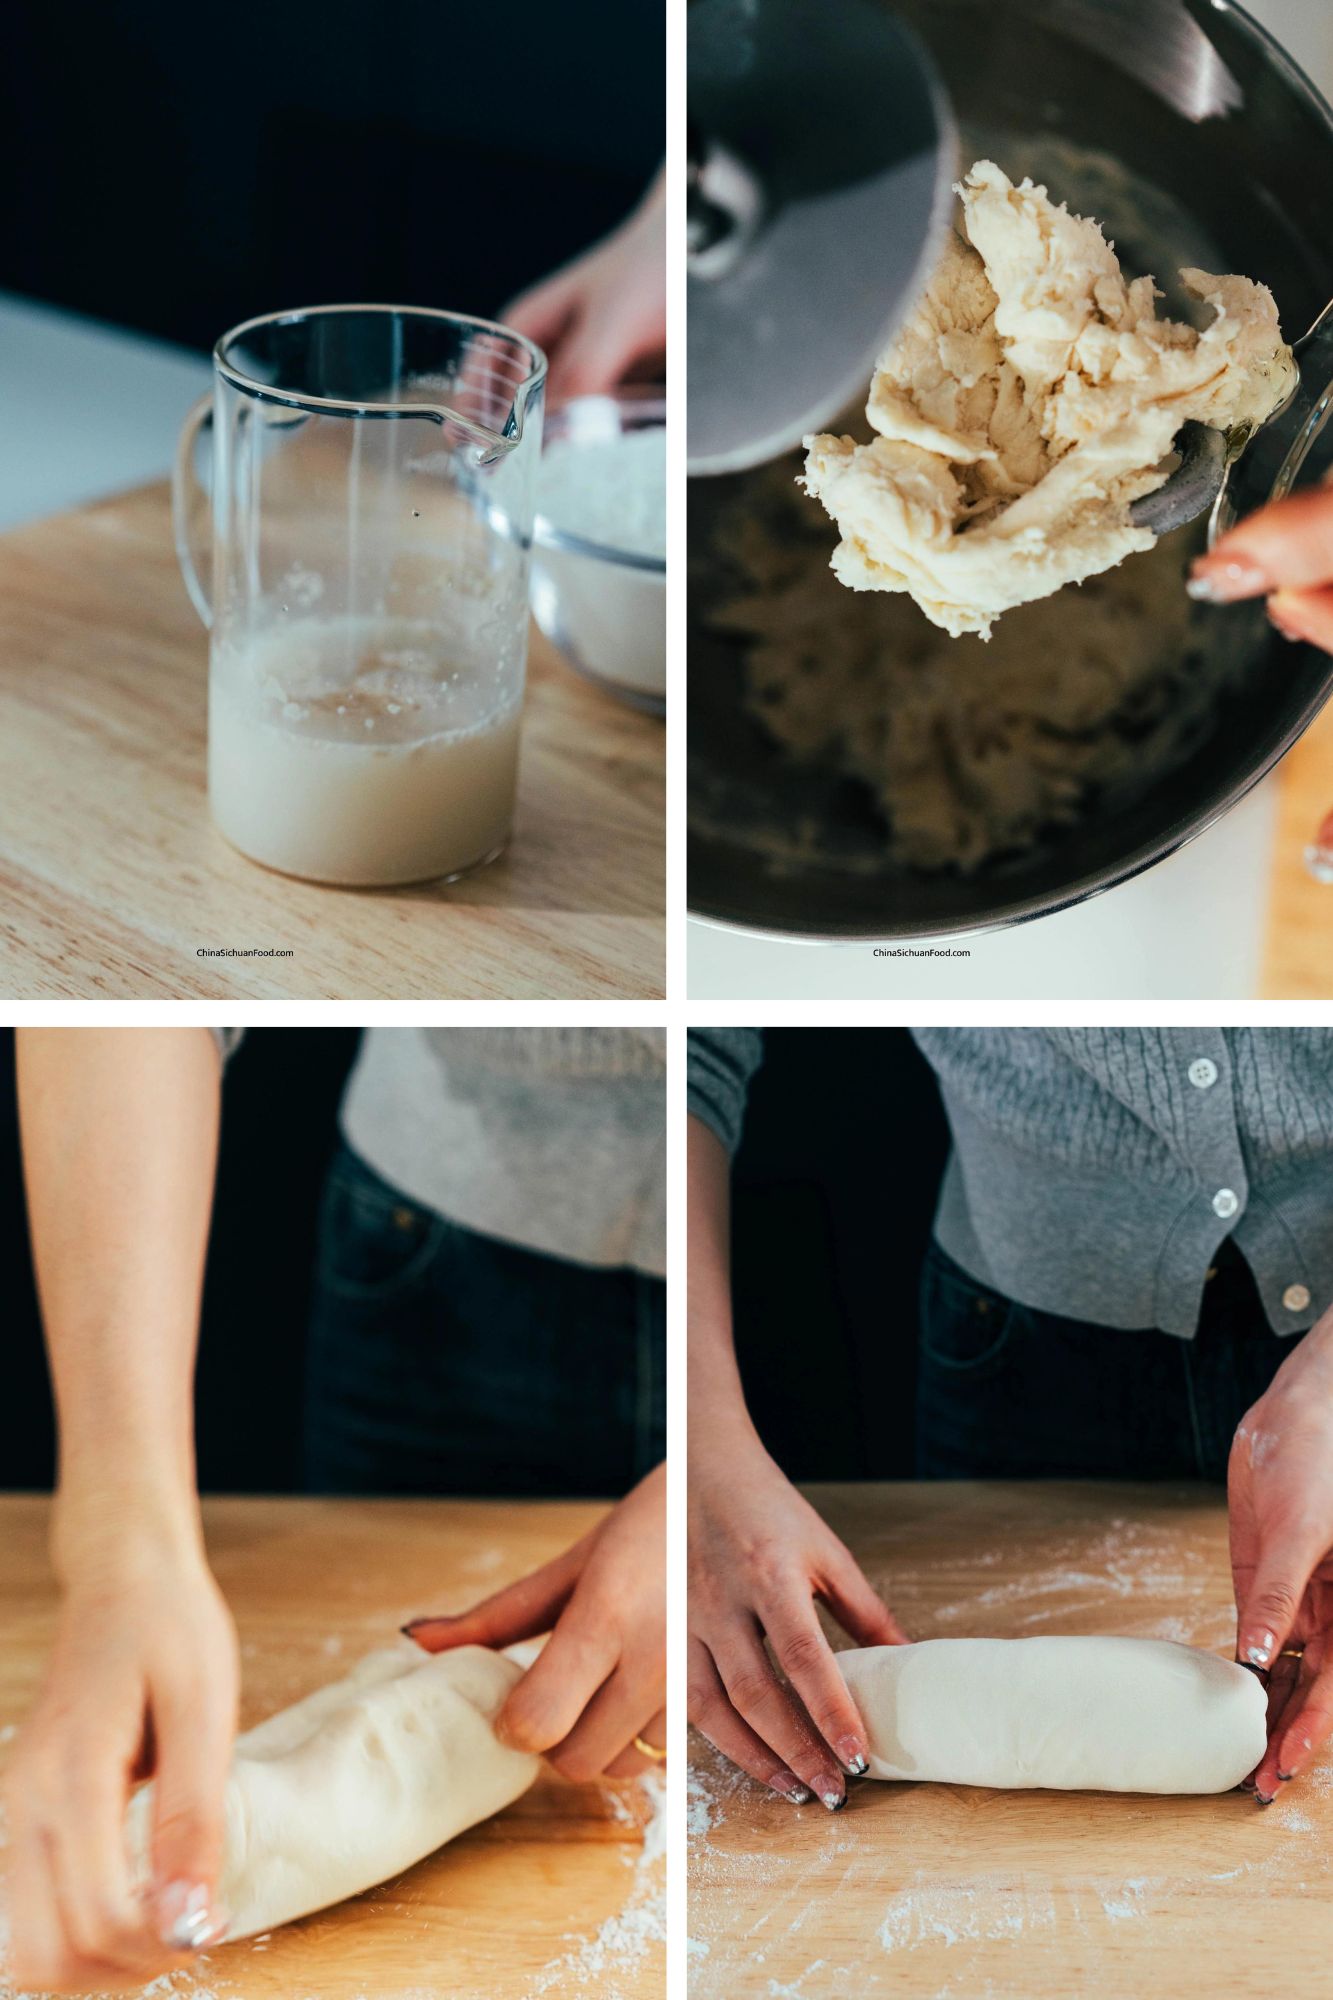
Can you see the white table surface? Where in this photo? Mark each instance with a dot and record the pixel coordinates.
(85, 409)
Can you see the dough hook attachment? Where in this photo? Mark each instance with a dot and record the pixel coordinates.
(1232, 474)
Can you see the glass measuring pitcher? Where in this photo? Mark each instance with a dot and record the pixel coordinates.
(373, 471)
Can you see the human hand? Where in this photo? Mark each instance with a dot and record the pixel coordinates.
(604, 313)
(600, 1680)
(759, 1557)
(142, 1682)
(1280, 1501)
(1283, 552)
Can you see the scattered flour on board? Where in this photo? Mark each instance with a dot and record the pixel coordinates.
(742, 1842)
(599, 1964)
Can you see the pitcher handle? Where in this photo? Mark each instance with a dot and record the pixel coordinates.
(186, 492)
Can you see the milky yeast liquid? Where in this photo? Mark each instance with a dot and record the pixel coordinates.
(354, 751)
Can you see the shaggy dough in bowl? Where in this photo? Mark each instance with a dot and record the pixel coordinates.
(1032, 395)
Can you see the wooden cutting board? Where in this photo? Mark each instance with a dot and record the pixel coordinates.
(557, 1896)
(113, 877)
(934, 1890)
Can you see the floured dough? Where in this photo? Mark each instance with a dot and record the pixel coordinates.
(359, 1781)
(1029, 399)
(1104, 1715)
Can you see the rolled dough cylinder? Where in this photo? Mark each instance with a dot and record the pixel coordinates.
(1098, 1715)
(359, 1781)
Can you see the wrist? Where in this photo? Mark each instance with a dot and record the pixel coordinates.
(113, 1535)
(722, 1434)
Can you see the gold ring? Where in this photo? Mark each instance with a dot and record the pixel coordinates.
(1292, 1653)
(649, 1750)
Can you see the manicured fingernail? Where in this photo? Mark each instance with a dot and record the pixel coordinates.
(1225, 580)
(1285, 1777)
(1319, 861)
(1261, 1652)
(852, 1755)
(833, 1796)
(186, 1918)
(1260, 1800)
(788, 1786)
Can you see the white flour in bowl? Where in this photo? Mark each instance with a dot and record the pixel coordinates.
(610, 490)
(604, 606)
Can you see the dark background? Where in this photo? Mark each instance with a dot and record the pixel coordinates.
(833, 1194)
(279, 1127)
(834, 1191)
(178, 169)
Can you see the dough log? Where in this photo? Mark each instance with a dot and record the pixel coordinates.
(359, 1781)
(1101, 1715)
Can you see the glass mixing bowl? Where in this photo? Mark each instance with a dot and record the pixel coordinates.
(603, 606)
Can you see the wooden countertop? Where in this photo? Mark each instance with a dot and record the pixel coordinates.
(1298, 960)
(113, 875)
(554, 1897)
(933, 1890)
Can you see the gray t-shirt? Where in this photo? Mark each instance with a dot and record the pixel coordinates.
(1096, 1171)
(552, 1138)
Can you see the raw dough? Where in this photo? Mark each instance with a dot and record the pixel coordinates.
(968, 754)
(359, 1781)
(1030, 397)
(1102, 1715)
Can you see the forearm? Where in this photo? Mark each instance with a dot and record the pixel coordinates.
(120, 1132)
(716, 1398)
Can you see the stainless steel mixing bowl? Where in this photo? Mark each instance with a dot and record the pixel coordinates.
(1194, 97)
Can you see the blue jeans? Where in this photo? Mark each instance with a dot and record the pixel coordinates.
(442, 1361)
(1005, 1392)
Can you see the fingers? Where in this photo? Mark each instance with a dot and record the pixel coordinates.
(711, 1711)
(579, 1656)
(543, 311)
(1264, 1620)
(1319, 854)
(194, 1727)
(858, 1608)
(1304, 614)
(806, 1658)
(1285, 547)
(757, 1695)
(102, 1920)
(631, 1762)
(38, 1958)
(1306, 1725)
(1263, 1780)
(78, 1924)
(593, 355)
(602, 343)
(607, 1726)
(521, 1610)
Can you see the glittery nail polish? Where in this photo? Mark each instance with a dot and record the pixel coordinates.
(1211, 582)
